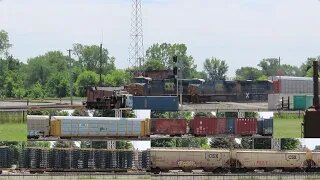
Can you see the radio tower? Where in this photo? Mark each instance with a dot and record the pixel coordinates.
(136, 50)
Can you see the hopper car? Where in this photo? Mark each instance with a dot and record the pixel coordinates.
(236, 160)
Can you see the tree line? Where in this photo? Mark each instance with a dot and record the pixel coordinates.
(48, 75)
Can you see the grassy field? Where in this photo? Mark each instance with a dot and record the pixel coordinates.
(287, 126)
(13, 132)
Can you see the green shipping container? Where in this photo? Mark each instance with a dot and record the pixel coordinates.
(302, 102)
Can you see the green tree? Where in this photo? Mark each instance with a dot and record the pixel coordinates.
(159, 56)
(89, 58)
(165, 142)
(290, 70)
(104, 144)
(256, 143)
(40, 144)
(80, 112)
(245, 73)
(289, 143)
(124, 145)
(216, 69)
(58, 85)
(40, 68)
(306, 67)
(317, 147)
(191, 142)
(153, 65)
(37, 92)
(4, 42)
(64, 144)
(203, 114)
(223, 143)
(117, 78)
(85, 79)
(269, 66)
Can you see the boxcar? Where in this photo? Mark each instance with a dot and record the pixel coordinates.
(91, 127)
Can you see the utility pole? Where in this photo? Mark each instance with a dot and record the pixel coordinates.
(100, 63)
(70, 72)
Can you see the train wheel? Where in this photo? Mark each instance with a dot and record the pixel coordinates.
(207, 169)
(155, 170)
(220, 170)
(186, 170)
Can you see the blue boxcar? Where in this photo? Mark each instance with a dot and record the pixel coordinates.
(265, 127)
(231, 125)
(268, 126)
(260, 126)
(156, 103)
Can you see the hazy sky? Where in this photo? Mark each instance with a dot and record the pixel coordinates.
(240, 31)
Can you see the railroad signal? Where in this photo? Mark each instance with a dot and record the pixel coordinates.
(175, 68)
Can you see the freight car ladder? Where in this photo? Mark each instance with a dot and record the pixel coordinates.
(285, 103)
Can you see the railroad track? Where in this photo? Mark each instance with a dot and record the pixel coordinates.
(250, 174)
(79, 174)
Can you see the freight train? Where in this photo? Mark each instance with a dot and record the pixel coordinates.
(163, 83)
(199, 90)
(236, 160)
(193, 91)
(40, 160)
(67, 127)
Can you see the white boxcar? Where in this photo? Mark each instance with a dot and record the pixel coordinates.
(72, 126)
(38, 126)
(252, 159)
(294, 85)
(275, 100)
(188, 159)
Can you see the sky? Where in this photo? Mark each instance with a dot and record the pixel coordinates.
(242, 32)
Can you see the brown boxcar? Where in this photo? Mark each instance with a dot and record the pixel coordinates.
(246, 126)
(203, 126)
(172, 127)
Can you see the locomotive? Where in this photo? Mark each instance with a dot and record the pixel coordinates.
(200, 91)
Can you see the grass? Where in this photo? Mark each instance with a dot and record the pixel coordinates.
(287, 127)
(12, 117)
(13, 132)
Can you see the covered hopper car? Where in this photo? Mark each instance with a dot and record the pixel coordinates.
(237, 160)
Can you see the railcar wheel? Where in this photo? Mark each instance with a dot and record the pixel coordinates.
(155, 170)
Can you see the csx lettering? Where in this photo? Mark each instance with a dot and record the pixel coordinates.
(292, 157)
(213, 156)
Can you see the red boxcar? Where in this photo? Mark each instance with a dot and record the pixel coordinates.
(172, 127)
(246, 126)
(204, 126)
